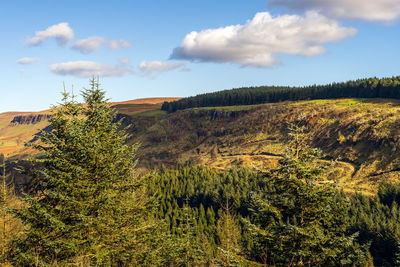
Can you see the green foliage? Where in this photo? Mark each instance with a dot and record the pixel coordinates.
(302, 221)
(378, 222)
(192, 201)
(281, 217)
(86, 205)
(229, 235)
(189, 245)
(362, 88)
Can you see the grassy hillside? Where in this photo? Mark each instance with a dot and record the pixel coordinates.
(14, 135)
(363, 135)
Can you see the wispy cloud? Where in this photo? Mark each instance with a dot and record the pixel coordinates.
(370, 10)
(85, 69)
(149, 67)
(259, 41)
(88, 45)
(117, 44)
(27, 60)
(125, 61)
(93, 43)
(61, 32)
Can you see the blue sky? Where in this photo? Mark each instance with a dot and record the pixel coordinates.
(181, 48)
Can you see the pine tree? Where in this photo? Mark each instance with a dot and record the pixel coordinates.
(302, 221)
(188, 246)
(228, 231)
(87, 206)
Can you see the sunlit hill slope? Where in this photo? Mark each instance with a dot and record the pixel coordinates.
(362, 135)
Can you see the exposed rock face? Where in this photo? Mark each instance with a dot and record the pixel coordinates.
(30, 119)
(217, 114)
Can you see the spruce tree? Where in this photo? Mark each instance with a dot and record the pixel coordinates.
(86, 205)
(228, 231)
(303, 219)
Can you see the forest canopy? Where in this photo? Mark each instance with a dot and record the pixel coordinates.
(362, 88)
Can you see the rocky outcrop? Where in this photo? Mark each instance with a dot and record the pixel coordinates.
(214, 114)
(30, 119)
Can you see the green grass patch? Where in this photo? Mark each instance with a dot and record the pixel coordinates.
(151, 113)
(350, 102)
(230, 108)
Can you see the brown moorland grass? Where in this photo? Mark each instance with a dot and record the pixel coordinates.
(14, 136)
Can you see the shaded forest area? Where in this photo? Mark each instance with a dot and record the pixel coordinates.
(362, 88)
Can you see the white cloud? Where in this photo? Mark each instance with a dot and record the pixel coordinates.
(117, 44)
(370, 10)
(27, 60)
(88, 45)
(148, 67)
(61, 32)
(258, 41)
(85, 69)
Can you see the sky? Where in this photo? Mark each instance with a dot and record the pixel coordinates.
(179, 48)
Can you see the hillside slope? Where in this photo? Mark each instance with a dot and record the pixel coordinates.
(363, 135)
(17, 128)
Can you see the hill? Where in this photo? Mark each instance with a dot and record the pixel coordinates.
(362, 134)
(16, 128)
(362, 88)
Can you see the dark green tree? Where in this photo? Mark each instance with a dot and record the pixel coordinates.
(86, 205)
(188, 246)
(303, 219)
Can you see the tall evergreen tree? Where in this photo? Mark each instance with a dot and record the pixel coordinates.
(228, 231)
(86, 206)
(302, 221)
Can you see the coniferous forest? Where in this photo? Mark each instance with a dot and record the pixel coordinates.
(362, 88)
(89, 205)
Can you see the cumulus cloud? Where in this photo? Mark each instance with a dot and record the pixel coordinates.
(370, 10)
(27, 60)
(258, 41)
(85, 69)
(61, 32)
(88, 45)
(117, 44)
(149, 67)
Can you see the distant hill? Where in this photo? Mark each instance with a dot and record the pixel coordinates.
(362, 88)
(16, 128)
